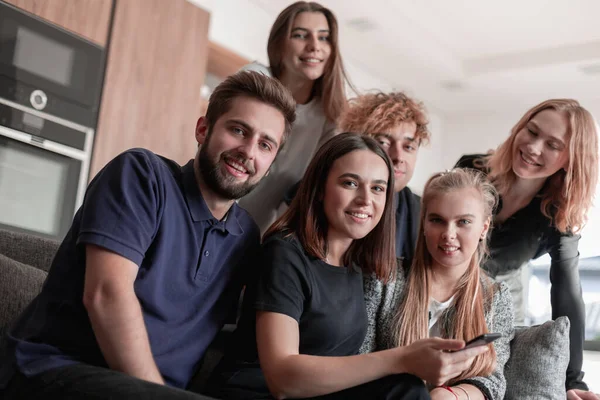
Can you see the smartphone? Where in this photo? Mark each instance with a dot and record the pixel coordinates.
(482, 340)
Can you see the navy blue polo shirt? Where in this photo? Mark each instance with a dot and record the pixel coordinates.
(191, 269)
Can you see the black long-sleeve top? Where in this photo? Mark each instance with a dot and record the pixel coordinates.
(529, 234)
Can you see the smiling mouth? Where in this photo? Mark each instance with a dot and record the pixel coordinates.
(449, 249)
(236, 166)
(528, 161)
(311, 60)
(358, 216)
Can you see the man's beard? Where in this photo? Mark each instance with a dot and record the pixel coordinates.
(223, 185)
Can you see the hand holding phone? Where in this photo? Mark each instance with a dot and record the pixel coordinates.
(482, 340)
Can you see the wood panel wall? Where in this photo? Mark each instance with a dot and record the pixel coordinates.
(87, 18)
(223, 62)
(156, 67)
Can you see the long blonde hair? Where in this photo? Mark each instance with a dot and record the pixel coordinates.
(568, 194)
(329, 87)
(472, 298)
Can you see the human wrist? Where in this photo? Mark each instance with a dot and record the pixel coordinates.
(396, 360)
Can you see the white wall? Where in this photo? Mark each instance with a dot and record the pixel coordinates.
(429, 160)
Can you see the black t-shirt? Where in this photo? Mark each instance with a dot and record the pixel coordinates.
(327, 301)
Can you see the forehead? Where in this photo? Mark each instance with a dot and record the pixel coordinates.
(456, 202)
(404, 130)
(260, 117)
(552, 123)
(363, 163)
(311, 20)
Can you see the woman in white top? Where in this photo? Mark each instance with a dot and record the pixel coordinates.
(304, 55)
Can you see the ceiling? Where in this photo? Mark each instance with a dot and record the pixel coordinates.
(473, 56)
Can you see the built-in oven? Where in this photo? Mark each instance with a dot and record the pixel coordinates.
(49, 68)
(44, 164)
(50, 86)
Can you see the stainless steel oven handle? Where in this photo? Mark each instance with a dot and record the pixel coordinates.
(45, 144)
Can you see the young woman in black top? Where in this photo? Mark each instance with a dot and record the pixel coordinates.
(546, 173)
(304, 317)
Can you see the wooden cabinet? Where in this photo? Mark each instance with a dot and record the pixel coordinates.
(156, 67)
(220, 64)
(87, 18)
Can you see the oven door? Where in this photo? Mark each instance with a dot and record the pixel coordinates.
(46, 67)
(40, 188)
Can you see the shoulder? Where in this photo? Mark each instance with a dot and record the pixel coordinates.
(134, 165)
(286, 245)
(258, 67)
(501, 297)
(138, 156)
(375, 287)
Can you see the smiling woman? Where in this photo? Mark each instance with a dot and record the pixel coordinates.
(304, 317)
(546, 173)
(304, 55)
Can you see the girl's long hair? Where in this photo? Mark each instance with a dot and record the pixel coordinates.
(568, 194)
(306, 218)
(330, 87)
(472, 298)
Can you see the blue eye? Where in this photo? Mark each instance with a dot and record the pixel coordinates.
(464, 222)
(350, 184)
(265, 145)
(379, 189)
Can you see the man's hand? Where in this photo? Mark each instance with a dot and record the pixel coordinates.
(436, 360)
(578, 394)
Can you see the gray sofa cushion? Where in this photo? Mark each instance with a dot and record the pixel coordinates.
(28, 249)
(19, 284)
(539, 356)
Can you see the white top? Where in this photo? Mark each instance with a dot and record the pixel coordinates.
(309, 132)
(436, 309)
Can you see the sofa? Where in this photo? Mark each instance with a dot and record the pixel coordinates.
(535, 370)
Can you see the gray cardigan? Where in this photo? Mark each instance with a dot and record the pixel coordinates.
(383, 300)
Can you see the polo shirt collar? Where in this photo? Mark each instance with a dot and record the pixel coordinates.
(198, 208)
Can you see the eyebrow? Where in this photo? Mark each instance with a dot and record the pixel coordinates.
(458, 216)
(357, 177)
(388, 136)
(306, 30)
(249, 128)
